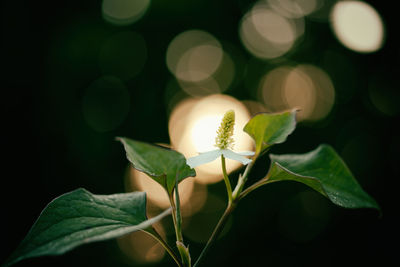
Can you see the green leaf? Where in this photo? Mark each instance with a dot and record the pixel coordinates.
(185, 255)
(268, 129)
(323, 170)
(162, 164)
(79, 217)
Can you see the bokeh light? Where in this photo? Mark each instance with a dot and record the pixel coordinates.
(305, 87)
(205, 87)
(266, 34)
(271, 86)
(193, 125)
(198, 199)
(254, 107)
(322, 11)
(199, 64)
(79, 75)
(299, 91)
(106, 103)
(225, 73)
(358, 26)
(123, 55)
(220, 81)
(194, 55)
(295, 8)
(124, 12)
(156, 194)
(141, 247)
(310, 89)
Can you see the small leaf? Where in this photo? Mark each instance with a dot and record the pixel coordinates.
(185, 255)
(79, 217)
(268, 129)
(323, 170)
(159, 163)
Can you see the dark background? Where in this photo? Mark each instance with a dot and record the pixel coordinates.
(49, 56)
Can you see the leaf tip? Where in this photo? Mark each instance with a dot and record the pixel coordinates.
(120, 139)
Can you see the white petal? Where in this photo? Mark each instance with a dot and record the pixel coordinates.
(235, 156)
(203, 158)
(245, 153)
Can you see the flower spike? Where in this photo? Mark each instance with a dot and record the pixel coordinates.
(224, 139)
(224, 142)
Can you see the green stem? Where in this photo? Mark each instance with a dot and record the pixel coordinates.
(178, 230)
(158, 237)
(232, 203)
(178, 211)
(177, 219)
(254, 186)
(242, 181)
(217, 231)
(226, 180)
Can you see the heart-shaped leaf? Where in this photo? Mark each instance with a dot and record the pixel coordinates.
(268, 129)
(162, 164)
(79, 217)
(323, 170)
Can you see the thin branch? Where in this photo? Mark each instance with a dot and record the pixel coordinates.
(242, 180)
(178, 231)
(254, 186)
(217, 231)
(170, 251)
(226, 180)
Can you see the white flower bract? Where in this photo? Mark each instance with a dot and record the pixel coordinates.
(209, 156)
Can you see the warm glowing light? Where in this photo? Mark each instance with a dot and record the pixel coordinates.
(299, 92)
(358, 26)
(198, 63)
(124, 12)
(194, 55)
(272, 26)
(203, 131)
(141, 247)
(179, 120)
(254, 107)
(324, 91)
(218, 82)
(267, 34)
(197, 201)
(193, 126)
(105, 104)
(305, 87)
(192, 194)
(225, 73)
(294, 8)
(156, 195)
(271, 86)
(205, 87)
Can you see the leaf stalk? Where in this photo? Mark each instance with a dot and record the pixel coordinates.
(226, 180)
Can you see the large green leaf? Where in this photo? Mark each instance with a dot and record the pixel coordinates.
(268, 129)
(323, 170)
(162, 164)
(79, 217)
